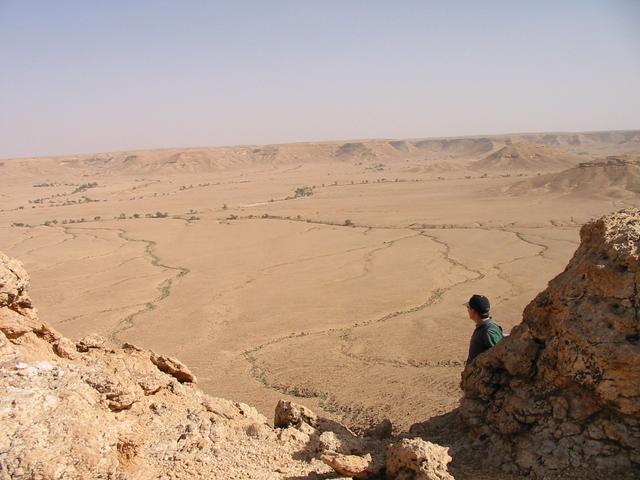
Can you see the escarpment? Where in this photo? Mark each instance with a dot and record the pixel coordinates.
(562, 393)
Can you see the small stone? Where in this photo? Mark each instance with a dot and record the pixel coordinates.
(89, 342)
(291, 414)
(173, 367)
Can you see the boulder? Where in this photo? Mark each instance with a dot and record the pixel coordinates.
(173, 367)
(354, 466)
(418, 459)
(289, 414)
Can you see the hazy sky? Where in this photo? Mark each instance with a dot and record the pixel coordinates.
(85, 76)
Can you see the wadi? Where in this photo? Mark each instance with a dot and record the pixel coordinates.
(330, 275)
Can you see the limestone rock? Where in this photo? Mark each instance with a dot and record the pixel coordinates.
(291, 414)
(419, 460)
(353, 466)
(91, 341)
(542, 397)
(173, 367)
(65, 348)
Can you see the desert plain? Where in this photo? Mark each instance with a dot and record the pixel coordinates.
(332, 274)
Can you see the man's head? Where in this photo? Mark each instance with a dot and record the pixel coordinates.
(478, 307)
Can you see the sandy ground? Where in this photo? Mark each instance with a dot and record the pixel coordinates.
(348, 300)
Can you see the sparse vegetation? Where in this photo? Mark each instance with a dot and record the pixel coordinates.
(84, 186)
(303, 191)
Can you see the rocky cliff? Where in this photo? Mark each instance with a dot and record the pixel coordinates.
(562, 393)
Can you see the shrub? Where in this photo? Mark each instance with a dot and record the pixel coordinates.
(303, 191)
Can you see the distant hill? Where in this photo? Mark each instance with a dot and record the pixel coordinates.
(456, 146)
(587, 138)
(517, 152)
(615, 177)
(526, 157)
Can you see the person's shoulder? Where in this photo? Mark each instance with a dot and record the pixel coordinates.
(492, 326)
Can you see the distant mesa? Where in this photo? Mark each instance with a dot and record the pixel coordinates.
(525, 156)
(544, 152)
(354, 150)
(457, 146)
(400, 145)
(585, 139)
(615, 177)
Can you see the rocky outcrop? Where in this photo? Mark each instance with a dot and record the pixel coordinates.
(562, 393)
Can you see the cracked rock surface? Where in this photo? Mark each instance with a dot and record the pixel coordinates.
(562, 393)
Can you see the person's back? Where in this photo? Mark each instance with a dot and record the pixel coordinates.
(487, 332)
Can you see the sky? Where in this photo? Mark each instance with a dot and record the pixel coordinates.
(90, 76)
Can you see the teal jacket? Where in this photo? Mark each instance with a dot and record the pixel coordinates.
(486, 335)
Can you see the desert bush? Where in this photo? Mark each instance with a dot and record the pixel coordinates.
(303, 191)
(84, 186)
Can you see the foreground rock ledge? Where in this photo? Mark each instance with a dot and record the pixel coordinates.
(562, 393)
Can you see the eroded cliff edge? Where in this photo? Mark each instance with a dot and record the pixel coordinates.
(562, 393)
